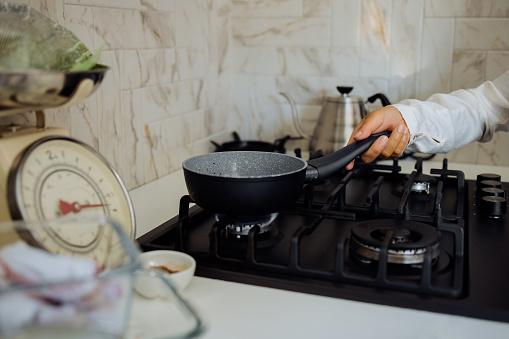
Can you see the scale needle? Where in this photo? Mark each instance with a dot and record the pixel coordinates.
(76, 207)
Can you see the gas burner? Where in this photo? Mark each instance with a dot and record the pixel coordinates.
(409, 240)
(422, 184)
(241, 225)
(421, 187)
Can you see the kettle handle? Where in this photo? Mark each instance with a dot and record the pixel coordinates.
(295, 116)
(382, 97)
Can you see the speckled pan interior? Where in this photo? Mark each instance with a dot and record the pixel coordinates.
(244, 164)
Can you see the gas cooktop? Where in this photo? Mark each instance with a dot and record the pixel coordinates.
(433, 242)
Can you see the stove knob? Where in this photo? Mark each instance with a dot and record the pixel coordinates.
(492, 191)
(489, 183)
(493, 207)
(487, 176)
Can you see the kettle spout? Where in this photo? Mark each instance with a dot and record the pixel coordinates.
(295, 116)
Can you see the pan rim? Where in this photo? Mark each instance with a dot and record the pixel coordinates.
(230, 153)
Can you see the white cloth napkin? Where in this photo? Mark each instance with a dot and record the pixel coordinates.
(72, 297)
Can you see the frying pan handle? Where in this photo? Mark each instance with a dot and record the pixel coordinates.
(324, 167)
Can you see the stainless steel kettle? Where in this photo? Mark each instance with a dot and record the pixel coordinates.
(337, 120)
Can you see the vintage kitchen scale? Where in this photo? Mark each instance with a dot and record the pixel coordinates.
(45, 174)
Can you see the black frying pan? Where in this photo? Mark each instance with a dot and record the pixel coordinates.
(257, 183)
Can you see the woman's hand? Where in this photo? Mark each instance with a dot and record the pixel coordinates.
(381, 120)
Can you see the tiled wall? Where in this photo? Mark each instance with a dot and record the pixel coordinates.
(168, 91)
(403, 48)
(184, 72)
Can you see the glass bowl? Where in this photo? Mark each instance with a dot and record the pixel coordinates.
(55, 284)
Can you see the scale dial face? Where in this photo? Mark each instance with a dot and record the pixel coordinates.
(59, 176)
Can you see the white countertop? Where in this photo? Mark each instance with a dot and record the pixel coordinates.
(233, 310)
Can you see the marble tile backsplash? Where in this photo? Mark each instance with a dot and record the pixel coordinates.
(184, 72)
(168, 90)
(405, 49)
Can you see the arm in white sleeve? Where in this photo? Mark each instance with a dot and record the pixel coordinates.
(445, 122)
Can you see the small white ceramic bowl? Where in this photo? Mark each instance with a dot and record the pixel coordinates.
(151, 287)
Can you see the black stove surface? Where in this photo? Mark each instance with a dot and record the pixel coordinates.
(373, 234)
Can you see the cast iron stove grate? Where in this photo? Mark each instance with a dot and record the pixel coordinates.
(308, 249)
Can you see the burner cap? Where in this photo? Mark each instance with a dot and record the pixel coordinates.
(408, 245)
(241, 225)
(420, 188)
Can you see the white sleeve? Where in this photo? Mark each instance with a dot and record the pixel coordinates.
(445, 122)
